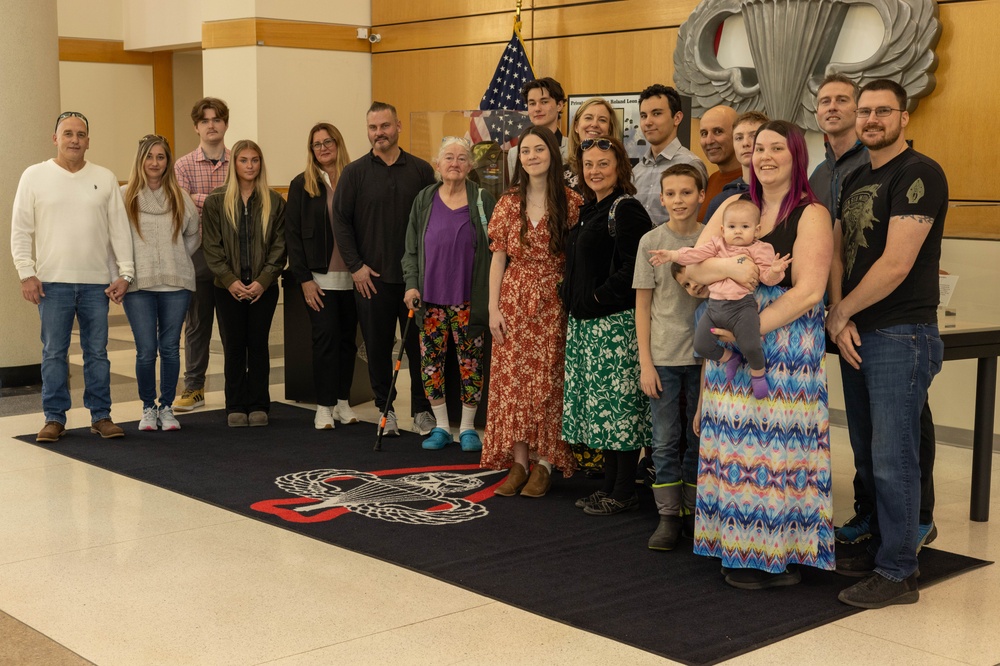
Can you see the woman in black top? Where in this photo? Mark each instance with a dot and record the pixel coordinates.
(327, 287)
(603, 404)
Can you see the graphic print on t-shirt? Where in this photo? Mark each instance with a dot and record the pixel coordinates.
(858, 215)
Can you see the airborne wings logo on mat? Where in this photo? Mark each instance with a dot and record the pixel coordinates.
(442, 495)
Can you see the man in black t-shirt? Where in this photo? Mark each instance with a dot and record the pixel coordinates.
(883, 316)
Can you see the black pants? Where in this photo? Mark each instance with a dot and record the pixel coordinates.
(244, 328)
(864, 504)
(334, 350)
(378, 317)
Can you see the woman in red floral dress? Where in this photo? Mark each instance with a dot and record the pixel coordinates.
(527, 319)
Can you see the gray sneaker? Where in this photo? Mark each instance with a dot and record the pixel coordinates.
(424, 422)
(167, 419)
(391, 427)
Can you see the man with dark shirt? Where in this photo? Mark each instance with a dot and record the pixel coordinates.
(371, 208)
(836, 107)
(883, 316)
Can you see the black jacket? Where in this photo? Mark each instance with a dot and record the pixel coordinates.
(599, 268)
(308, 235)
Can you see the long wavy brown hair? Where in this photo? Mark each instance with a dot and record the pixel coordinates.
(313, 178)
(623, 168)
(556, 205)
(137, 182)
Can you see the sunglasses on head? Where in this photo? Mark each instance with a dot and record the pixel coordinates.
(72, 114)
(152, 137)
(603, 144)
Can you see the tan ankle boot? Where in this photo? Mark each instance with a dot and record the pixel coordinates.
(516, 478)
(538, 483)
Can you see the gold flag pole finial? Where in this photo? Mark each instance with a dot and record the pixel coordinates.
(517, 13)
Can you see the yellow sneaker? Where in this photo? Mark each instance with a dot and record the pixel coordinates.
(190, 399)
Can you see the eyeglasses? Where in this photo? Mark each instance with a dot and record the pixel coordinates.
(880, 111)
(152, 137)
(325, 143)
(72, 114)
(603, 144)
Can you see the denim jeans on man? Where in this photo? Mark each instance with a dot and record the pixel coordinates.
(668, 424)
(156, 318)
(89, 305)
(883, 401)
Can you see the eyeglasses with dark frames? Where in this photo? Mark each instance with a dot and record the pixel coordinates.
(325, 143)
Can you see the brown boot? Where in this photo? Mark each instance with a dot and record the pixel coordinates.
(51, 432)
(106, 428)
(538, 483)
(515, 479)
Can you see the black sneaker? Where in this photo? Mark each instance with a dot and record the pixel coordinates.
(877, 591)
(590, 500)
(855, 530)
(856, 566)
(609, 506)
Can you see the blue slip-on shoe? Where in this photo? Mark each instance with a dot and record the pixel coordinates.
(927, 534)
(469, 439)
(438, 439)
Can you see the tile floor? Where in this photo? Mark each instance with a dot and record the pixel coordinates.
(97, 568)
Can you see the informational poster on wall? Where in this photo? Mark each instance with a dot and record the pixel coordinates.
(626, 107)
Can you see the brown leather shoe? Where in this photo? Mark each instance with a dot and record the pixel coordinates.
(52, 431)
(516, 478)
(538, 483)
(106, 428)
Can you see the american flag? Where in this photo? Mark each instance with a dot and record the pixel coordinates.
(504, 92)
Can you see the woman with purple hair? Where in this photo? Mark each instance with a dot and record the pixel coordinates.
(764, 505)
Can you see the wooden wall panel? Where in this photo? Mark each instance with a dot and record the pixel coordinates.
(100, 50)
(607, 17)
(287, 34)
(163, 95)
(968, 86)
(385, 12)
(973, 220)
(463, 31)
(433, 80)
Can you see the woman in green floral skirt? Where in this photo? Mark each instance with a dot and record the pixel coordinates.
(603, 403)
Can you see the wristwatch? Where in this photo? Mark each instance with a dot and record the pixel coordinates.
(128, 278)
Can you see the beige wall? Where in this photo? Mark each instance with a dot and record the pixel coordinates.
(160, 25)
(118, 102)
(90, 19)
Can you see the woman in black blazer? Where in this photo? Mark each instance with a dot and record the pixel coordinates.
(327, 287)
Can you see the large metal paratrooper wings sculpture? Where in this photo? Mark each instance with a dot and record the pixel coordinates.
(792, 42)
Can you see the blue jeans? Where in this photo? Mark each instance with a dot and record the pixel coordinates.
(156, 318)
(87, 303)
(883, 401)
(668, 424)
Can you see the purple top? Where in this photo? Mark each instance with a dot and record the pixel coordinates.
(448, 255)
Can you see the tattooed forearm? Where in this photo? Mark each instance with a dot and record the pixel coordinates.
(919, 219)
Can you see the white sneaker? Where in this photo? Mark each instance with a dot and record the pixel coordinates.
(324, 418)
(391, 427)
(167, 419)
(424, 422)
(344, 414)
(149, 419)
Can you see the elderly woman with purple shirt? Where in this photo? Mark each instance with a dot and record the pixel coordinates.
(446, 265)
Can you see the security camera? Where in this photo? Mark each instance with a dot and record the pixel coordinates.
(374, 38)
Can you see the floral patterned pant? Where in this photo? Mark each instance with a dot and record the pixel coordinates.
(439, 321)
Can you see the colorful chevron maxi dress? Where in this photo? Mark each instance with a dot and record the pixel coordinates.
(764, 496)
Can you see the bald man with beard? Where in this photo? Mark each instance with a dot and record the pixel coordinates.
(716, 138)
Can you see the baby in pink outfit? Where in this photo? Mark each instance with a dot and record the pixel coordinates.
(731, 305)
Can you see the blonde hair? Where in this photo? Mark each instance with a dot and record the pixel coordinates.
(137, 182)
(312, 172)
(231, 197)
(574, 138)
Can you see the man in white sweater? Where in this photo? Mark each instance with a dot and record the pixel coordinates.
(72, 248)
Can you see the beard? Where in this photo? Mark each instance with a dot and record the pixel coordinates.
(887, 139)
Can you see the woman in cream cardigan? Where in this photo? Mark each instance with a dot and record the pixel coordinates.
(164, 224)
